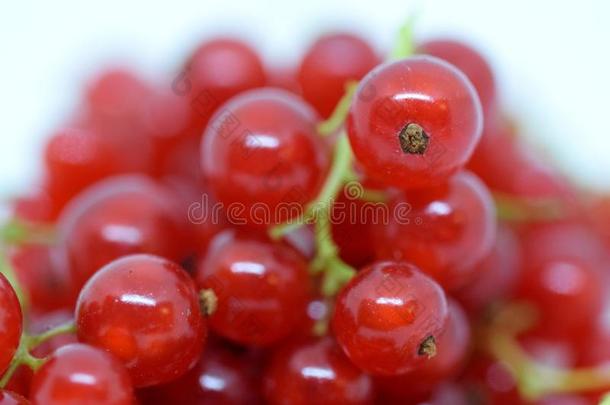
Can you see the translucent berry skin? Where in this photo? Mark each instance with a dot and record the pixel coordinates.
(446, 231)
(144, 310)
(315, 371)
(220, 377)
(329, 64)
(216, 71)
(496, 275)
(116, 217)
(471, 63)
(262, 289)
(388, 318)
(453, 347)
(11, 398)
(261, 150)
(11, 323)
(409, 96)
(79, 374)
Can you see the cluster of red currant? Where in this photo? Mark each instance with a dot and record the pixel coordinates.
(348, 232)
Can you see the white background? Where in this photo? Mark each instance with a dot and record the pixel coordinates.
(552, 59)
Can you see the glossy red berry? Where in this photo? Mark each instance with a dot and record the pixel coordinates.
(329, 64)
(263, 158)
(79, 374)
(11, 398)
(216, 71)
(453, 345)
(116, 217)
(471, 63)
(11, 323)
(414, 122)
(567, 292)
(262, 289)
(444, 230)
(315, 371)
(220, 377)
(144, 310)
(389, 317)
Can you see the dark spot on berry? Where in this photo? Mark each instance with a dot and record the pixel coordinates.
(413, 140)
(427, 347)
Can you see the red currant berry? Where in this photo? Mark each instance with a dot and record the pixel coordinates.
(351, 216)
(315, 371)
(501, 151)
(215, 72)
(496, 274)
(444, 230)
(11, 398)
(220, 377)
(568, 293)
(36, 206)
(329, 64)
(469, 61)
(48, 287)
(11, 323)
(75, 159)
(262, 289)
(389, 317)
(79, 374)
(414, 122)
(144, 310)
(115, 108)
(261, 154)
(453, 349)
(116, 217)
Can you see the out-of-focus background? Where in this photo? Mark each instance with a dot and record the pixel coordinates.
(551, 59)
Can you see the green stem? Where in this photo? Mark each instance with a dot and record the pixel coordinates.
(18, 232)
(535, 380)
(337, 118)
(405, 44)
(517, 209)
(341, 167)
(27, 343)
(36, 340)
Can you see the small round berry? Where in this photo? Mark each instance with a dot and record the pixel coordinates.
(49, 287)
(262, 289)
(329, 64)
(220, 377)
(116, 217)
(11, 323)
(389, 317)
(75, 159)
(496, 275)
(315, 371)
(261, 153)
(79, 374)
(471, 63)
(144, 310)
(414, 122)
(453, 347)
(12, 398)
(216, 71)
(446, 231)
